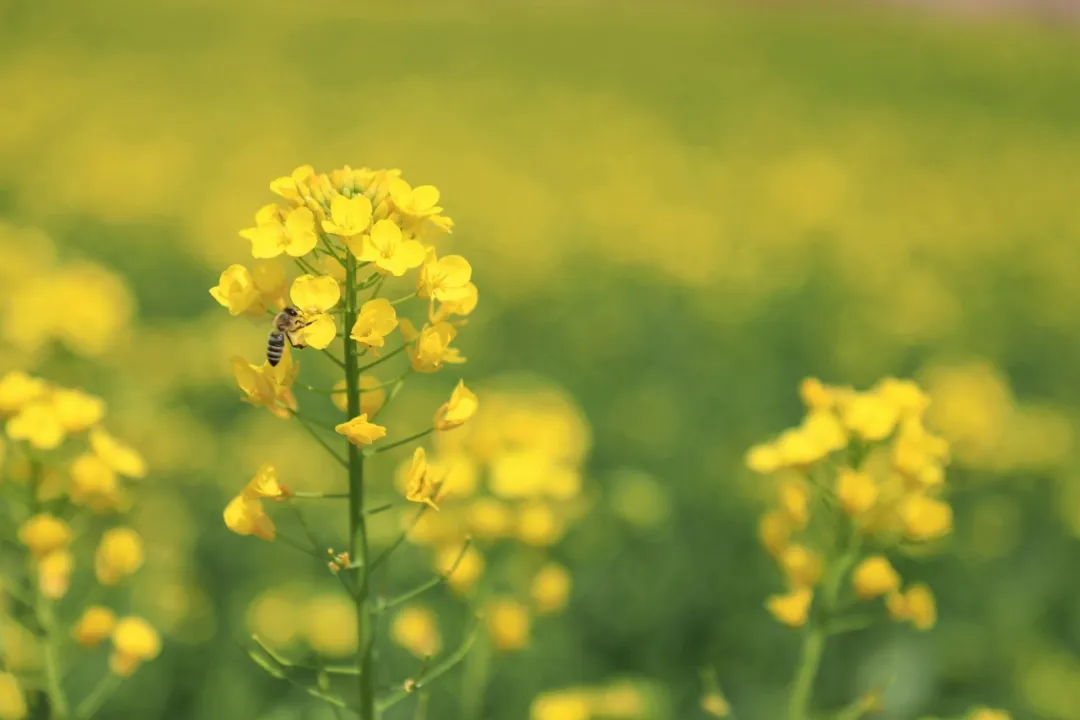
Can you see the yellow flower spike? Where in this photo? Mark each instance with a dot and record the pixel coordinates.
(44, 534)
(294, 186)
(359, 431)
(94, 483)
(349, 217)
(76, 409)
(376, 319)
(236, 291)
(469, 569)
(875, 576)
(857, 491)
(430, 348)
(550, 589)
(462, 405)
(119, 555)
(508, 623)
(417, 202)
(414, 628)
(794, 500)
(12, 700)
(420, 486)
(265, 483)
(95, 625)
(443, 279)
(801, 565)
(54, 573)
(244, 515)
(792, 609)
(985, 713)
(870, 416)
(372, 396)
(121, 458)
(315, 295)
(925, 518)
(17, 389)
(387, 249)
(39, 424)
(135, 641)
(764, 459)
(774, 532)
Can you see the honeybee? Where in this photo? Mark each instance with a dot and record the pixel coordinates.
(286, 323)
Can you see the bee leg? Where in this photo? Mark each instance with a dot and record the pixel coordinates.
(293, 343)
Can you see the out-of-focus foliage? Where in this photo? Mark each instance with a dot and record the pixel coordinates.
(674, 213)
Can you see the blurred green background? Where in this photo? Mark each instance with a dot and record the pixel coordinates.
(674, 212)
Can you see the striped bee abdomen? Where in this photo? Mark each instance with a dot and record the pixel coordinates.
(275, 348)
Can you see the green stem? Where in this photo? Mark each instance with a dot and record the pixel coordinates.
(384, 358)
(90, 705)
(358, 541)
(410, 296)
(326, 445)
(403, 441)
(319, 496)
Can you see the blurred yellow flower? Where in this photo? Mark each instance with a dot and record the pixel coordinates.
(915, 605)
(12, 701)
(764, 458)
(508, 623)
(774, 532)
(985, 713)
(801, 565)
(925, 518)
(414, 628)
(715, 704)
(560, 706)
(54, 573)
(267, 385)
(387, 249)
(244, 515)
(430, 348)
(550, 589)
(870, 416)
(315, 296)
(376, 320)
(462, 405)
(420, 486)
(135, 641)
(119, 555)
(793, 497)
(538, 525)
(875, 576)
(489, 519)
(904, 395)
(43, 534)
(331, 624)
(265, 483)
(17, 389)
(792, 609)
(359, 431)
(39, 424)
(123, 459)
(372, 395)
(76, 409)
(349, 216)
(857, 491)
(815, 395)
(468, 571)
(95, 624)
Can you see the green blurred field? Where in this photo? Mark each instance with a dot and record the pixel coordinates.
(674, 213)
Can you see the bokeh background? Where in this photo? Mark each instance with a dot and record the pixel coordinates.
(674, 212)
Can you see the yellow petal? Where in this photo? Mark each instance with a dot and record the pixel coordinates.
(300, 227)
(319, 334)
(314, 294)
(119, 456)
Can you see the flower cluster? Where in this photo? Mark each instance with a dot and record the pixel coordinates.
(353, 235)
(59, 464)
(627, 699)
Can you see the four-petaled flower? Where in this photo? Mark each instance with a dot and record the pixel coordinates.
(314, 296)
(348, 216)
(417, 202)
(244, 514)
(359, 431)
(376, 320)
(275, 232)
(386, 247)
(461, 406)
(266, 385)
(430, 348)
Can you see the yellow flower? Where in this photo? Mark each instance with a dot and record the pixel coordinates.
(857, 491)
(715, 704)
(117, 455)
(330, 624)
(925, 518)
(550, 588)
(44, 534)
(39, 424)
(376, 320)
(915, 605)
(348, 216)
(560, 706)
(387, 248)
(417, 202)
(985, 713)
(794, 501)
(266, 385)
(420, 486)
(265, 483)
(244, 515)
(314, 296)
(875, 576)
(462, 303)
(443, 279)
(461, 406)
(12, 701)
(372, 395)
(359, 431)
(468, 571)
(507, 623)
(489, 519)
(293, 187)
(119, 555)
(537, 525)
(134, 642)
(275, 233)
(54, 573)
(815, 395)
(792, 609)
(870, 416)
(774, 532)
(77, 410)
(764, 458)
(801, 566)
(904, 395)
(94, 484)
(414, 629)
(95, 625)
(236, 291)
(17, 389)
(431, 348)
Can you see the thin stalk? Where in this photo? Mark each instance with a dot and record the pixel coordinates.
(403, 441)
(400, 300)
(319, 496)
(93, 702)
(384, 358)
(358, 541)
(46, 622)
(321, 441)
